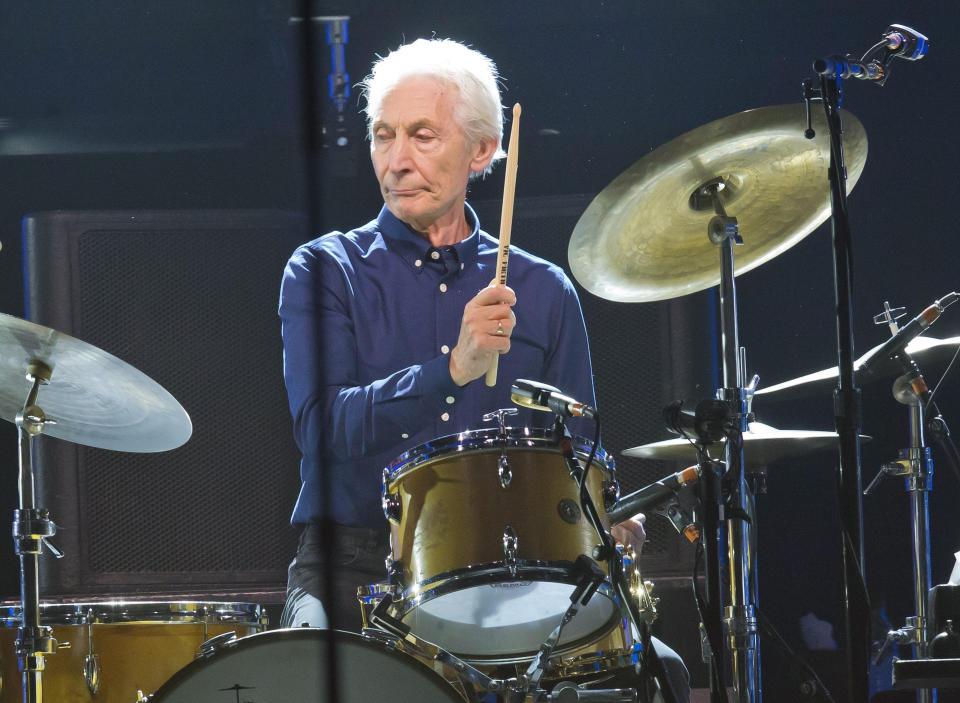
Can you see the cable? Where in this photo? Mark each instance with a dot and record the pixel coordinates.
(936, 388)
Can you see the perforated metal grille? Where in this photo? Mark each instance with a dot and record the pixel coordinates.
(196, 311)
(644, 356)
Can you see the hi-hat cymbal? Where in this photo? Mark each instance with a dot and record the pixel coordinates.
(921, 348)
(95, 398)
(763, 444)
(644, 237)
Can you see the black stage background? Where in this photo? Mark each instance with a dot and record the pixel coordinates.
(183, 105)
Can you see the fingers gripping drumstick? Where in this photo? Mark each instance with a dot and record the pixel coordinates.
(506, 220)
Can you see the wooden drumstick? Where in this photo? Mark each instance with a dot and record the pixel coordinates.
(506, 220)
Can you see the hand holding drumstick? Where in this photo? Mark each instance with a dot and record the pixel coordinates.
(506, 222)
(488, 321)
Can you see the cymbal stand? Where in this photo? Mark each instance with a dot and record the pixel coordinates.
(916, 465)
(846, 399)
(31, 528)
(739, 615)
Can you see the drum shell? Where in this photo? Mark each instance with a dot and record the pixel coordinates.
(454, 512)
(140, 644)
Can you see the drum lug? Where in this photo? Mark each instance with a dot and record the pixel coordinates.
(510, 544)
(395, 574)
(503, 470)
(611, 492)
(91, 672)
(390, 502)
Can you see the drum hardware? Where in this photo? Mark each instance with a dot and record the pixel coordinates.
(503, 464)
(211, 646)
(915, 463)
(897, 41)
(606, 549)
(510, 545)
(390, 502)
(390, 627)
(91, 662)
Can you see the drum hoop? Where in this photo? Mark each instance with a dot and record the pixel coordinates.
(139, 612)
(490, 439)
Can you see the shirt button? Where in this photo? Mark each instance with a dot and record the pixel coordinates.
(418, 263)
(443, 287)
(450, 400)
(445, 417)
(434, 255)
(445, 349)
(405, 436)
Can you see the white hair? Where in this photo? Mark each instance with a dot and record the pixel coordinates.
(478, 110)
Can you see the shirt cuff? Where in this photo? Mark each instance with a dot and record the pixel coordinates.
(436, 385)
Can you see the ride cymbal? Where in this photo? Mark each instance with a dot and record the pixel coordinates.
(644, 237)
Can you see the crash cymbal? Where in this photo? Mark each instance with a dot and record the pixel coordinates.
(644, 237)
(762, 445)
(921, 349)
(95, 398)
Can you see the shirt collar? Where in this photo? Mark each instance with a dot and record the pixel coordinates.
(412, 247)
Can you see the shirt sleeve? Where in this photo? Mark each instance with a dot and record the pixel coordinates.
(567, 364)
(334, 413)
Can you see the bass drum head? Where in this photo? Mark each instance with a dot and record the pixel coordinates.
(283, 666)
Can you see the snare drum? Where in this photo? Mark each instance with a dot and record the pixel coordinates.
(282, 666)
(118, 647)
(485, 529)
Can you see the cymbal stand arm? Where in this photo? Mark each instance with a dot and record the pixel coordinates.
(31, 527)
(739, 615)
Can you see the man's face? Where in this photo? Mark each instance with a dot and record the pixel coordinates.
(420, 155)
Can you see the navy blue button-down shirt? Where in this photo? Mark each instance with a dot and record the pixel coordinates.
(369, 319)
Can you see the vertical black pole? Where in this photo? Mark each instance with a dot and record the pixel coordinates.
(847, 413)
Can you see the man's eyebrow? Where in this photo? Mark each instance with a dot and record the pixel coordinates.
(413, 127)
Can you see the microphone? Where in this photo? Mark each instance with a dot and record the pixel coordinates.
(905, 43)
(540, 396)
(846, 67)
(907, 334)
(652, 496)
(708, 422)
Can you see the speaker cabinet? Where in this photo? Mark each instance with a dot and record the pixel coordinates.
(190, 299)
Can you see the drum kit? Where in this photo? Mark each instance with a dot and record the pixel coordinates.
(533, 603)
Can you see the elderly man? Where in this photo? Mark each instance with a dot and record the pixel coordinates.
(389, 328)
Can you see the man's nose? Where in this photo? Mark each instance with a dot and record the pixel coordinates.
(400, 154)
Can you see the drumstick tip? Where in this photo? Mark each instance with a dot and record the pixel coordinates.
(516, 110)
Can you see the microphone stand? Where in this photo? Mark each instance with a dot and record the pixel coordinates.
(846, 396)
(653, 665)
